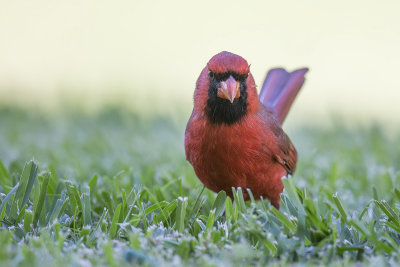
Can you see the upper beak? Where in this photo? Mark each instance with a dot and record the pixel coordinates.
(229, 89)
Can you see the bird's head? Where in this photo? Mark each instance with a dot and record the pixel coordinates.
(225, 91)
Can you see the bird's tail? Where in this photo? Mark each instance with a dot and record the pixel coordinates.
(279, 90)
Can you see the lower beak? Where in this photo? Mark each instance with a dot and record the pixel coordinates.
(229, 89)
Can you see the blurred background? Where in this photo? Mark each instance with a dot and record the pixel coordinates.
(147, 55)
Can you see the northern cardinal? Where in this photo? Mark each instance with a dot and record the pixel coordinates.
(234, 137)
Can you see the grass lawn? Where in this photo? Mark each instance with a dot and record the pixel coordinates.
(114, 188)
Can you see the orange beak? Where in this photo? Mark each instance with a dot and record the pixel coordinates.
(229, 89)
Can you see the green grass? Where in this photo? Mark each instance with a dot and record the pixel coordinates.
(114, 189)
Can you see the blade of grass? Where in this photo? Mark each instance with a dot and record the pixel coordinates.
(210, 221)
(113, 227)
(6, 199)
(4, 178)
(87, 217)
(21, 214)
(397, 193)
(288, 224)
(92, 183)
(228, 208)
(74, 198)
(103, 217)
(340, 208)
(388, 211)
(31, 180)
(27, 179)
(293, 197)
(155, 207)
(219, 203)
(39, 205)
(196, 206)
(181, 213)
(124, 203)
(238, 199)
(28, 221)
(56, 211)
(164, 215)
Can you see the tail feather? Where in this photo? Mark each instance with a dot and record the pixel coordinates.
(279, 90)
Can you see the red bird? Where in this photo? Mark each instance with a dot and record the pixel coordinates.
(234, 137)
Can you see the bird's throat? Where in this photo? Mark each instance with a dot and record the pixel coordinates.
(222, 111)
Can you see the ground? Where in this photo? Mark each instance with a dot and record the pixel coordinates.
(113, 188)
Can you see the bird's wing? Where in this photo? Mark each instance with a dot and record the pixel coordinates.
(287, 154)
(282, 149)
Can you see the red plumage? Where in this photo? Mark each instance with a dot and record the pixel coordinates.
(244, 146)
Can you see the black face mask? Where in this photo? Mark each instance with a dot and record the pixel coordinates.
(221, 110)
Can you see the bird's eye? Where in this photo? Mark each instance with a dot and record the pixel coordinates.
(211, 74)
(241, 77)
(222, 76)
